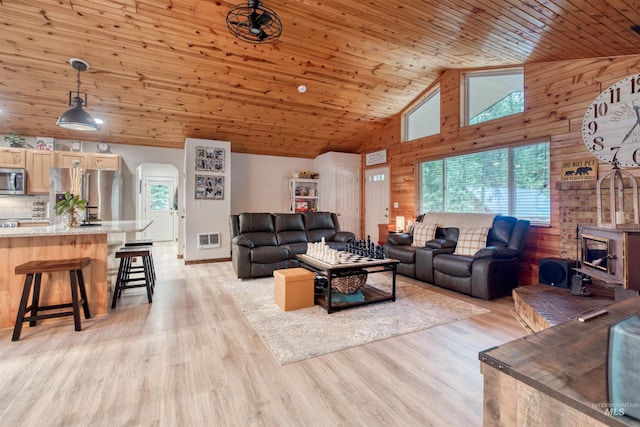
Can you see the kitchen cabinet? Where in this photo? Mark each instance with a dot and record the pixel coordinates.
(106, 161)
(303, 195)
(38, 164)
(65, 159)
(12, 157)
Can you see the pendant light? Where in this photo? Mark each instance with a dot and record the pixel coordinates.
(76, 118)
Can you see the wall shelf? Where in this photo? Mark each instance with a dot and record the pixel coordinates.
(304, 195)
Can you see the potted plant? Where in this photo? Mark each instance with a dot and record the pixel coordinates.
(14, 140)
(70, 206)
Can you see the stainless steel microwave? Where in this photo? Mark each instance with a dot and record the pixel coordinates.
(12, 181)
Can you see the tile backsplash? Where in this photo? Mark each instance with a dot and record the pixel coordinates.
(22, 207)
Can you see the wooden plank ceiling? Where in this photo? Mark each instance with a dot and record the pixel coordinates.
(165, 70)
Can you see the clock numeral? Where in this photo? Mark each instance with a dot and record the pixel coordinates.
(593, 127)
(635, 85)
(636, 156)
(601, 109)
(615, 95)
(598, 144)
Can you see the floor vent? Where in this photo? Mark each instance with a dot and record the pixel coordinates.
(208, 240)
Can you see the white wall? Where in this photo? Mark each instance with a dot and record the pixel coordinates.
(260, 183)
(206, 215)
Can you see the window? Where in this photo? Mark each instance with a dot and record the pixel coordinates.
(510, 181)
(491, 95)
(424, 119)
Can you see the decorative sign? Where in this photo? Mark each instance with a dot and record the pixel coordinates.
(579, 170)
(376, 158)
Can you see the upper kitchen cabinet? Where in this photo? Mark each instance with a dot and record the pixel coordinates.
(12, 157)
(106, 161)
(66, 159)
(38, 165)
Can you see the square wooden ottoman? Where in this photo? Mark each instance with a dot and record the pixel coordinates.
(293, 288)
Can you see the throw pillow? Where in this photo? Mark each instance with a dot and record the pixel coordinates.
(471, 240)
(422, 233)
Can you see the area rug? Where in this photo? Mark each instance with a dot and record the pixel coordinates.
(309, 332)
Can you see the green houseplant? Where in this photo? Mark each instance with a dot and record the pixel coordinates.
(70, 206)
(15, 140)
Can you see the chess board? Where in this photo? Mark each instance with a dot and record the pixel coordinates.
(351, 261)
(356, 259)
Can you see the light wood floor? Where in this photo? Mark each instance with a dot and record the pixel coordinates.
(191, 359)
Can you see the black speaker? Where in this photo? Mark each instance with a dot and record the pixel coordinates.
(556, 271)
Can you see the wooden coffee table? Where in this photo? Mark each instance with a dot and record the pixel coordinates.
(371, 294)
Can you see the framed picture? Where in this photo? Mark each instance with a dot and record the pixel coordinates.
(44, 143)
(209, 159)
(76, 146)
(209, 187)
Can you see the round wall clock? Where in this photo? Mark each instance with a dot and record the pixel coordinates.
(103, 147)
(611, 125)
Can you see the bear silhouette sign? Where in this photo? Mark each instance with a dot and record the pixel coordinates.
(579, 170)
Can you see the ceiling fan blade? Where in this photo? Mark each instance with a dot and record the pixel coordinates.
(265, 19)
(237, 23)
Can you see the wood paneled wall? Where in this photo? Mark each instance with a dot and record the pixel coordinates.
(557, 94)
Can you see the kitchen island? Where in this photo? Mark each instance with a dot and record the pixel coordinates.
(98, 242)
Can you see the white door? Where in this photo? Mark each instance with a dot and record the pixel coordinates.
(348, 199)
(376, 200)
(158, 207)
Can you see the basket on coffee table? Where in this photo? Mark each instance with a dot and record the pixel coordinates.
(349, 282)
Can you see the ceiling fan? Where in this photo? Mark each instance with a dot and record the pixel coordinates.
(254, 22)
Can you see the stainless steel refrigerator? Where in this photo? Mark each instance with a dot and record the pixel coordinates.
(101, 188)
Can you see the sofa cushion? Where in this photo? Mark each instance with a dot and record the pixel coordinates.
(471, 240)
(404, 254)
(260, 239)
(319, 225)
(288, 222)
(296, 249)
(269, 254)
(290, 228)
(318, 220)
(422, 233)
(453, 265)
(256, 222)
(500, 233)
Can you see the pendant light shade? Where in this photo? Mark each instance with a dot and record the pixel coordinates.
(76, 118)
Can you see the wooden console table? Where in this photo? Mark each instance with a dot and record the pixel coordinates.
(556, 377)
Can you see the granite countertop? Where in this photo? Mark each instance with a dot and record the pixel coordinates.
(104, 227)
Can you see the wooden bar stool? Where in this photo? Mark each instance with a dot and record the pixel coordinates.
(143, 242)
(34, 269)
(128, 276)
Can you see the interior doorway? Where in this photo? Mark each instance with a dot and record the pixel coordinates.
(376, 200)
(347, 190)
(158, 207)
(156, 200)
